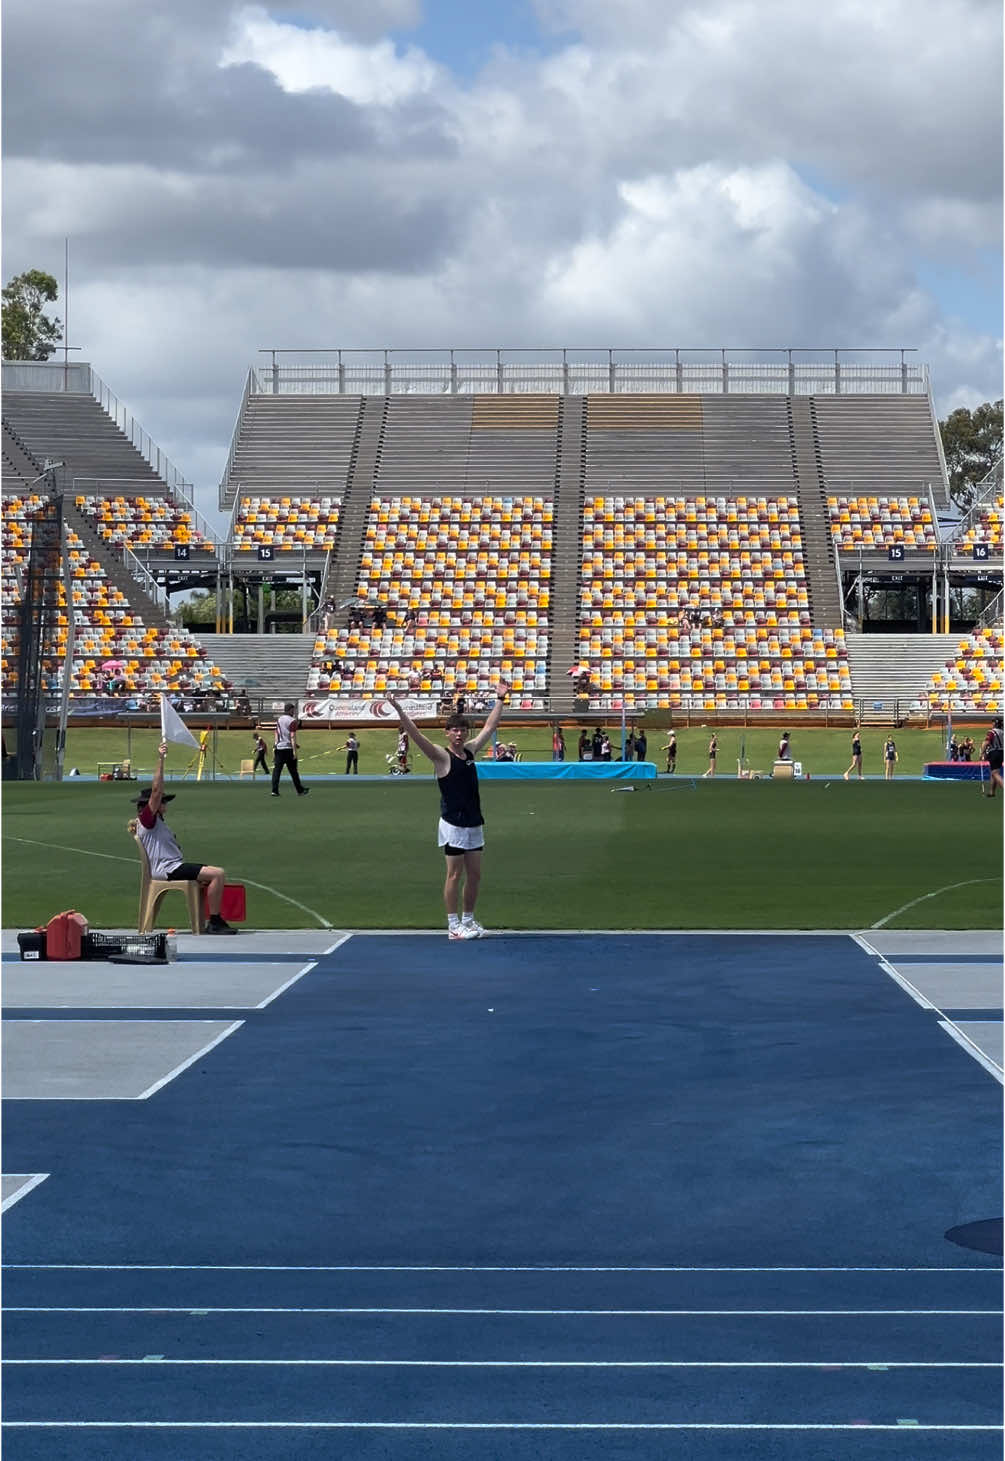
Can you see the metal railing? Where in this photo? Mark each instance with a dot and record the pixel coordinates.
(586, 371)
(145, 579)
(994, 613)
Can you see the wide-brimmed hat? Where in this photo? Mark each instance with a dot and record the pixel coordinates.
(146, 792)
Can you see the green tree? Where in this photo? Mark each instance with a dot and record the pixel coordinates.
(972, 444)
(28, 334)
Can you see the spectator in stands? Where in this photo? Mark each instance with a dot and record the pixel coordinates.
(713, 752)
(671, 753)
(460, 832)
(557, 744)
(351, 749)
(327, 610)
(379, 619)
(411, 622)
(164, 854)
(584, 750)
(460, 703)
(285, 752)
(784, 749)
(889, 757)
(260, 755)
(641, 745)
(991, 752)
(856, 755)
(243, 704)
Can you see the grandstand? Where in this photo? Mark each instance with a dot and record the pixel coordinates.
(687, 536)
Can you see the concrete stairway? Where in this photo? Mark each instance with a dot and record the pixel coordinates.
(364, 466)
(278, 662)
(886, 668)
(567, 535)
(149, 611)
(818, 545)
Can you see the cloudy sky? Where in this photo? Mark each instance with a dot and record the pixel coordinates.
(528, 172)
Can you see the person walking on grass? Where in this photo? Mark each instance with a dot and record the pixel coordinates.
(890, 757)
(259, 755)
(461, 829)
(671, 753)
(856, 755)
(285, 753)
(165, 856)
(713, 752)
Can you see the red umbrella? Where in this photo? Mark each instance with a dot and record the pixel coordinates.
(114, 664)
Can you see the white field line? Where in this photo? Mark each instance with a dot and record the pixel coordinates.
(311, 964)
(908, 1426)
(488, 1268)
(115, 857)
(547, 1364)
(955, 1033)
(158, 1085)
(949, 888)
(28, 1185)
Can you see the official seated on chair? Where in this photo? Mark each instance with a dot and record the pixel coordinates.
(167, 867)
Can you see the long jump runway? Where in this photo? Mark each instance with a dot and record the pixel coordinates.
(559, 1196)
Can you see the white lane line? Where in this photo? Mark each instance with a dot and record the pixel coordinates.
(336, 945)
(239, 877)
(28, 1185)
(312, 964)
(606, 1314)
(949, 888)
(955, 1033)
(950, 1026)
(551, 1364)
(158, 1085)
(488, 1268)
(479, 1425)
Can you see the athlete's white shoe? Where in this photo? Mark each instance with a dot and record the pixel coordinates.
(471, 929)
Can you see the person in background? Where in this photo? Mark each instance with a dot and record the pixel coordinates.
(641, 745)
(856, 755)
(351, 749)
(460, 833)
(165, 856)
(784, 749)
(285, 753)
(558, 744)
(259, 753)
(991, 752)
(402, 751)
(605, 746)
(713, 752)
(585, 748)
(889, 757)
(630, 745)
(598, 741)
(671, 753)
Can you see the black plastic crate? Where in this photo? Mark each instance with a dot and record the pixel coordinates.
(32, 945)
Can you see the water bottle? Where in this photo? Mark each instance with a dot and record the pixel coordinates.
(171, 946)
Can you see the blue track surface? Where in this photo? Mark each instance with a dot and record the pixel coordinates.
(683, 1192)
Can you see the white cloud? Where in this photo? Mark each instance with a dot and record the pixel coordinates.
(302, 60)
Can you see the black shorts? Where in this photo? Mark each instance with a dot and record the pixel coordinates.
(449, 851)
(185, 872)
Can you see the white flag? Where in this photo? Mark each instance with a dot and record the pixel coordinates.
(173, 728)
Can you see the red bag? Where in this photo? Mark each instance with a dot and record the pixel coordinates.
(233, 909)
(64, 935)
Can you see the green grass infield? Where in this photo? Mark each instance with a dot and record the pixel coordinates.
(688, 853)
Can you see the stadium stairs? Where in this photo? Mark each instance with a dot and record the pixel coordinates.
(567, 536)
(891, 672)
(364, 467)
(78, 431)
(270, 667)
(818, 544)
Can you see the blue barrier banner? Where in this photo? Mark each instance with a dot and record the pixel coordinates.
(566, 771)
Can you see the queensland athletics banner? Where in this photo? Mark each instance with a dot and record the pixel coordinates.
(377, 711)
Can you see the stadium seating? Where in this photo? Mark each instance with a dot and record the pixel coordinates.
(702, 601)
(285, 522)
(474, 443)
(875, 523)
(144, 524)
(106, 627)
(466, 584)
(986, 528)
(972, 680)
